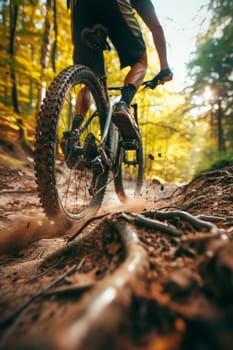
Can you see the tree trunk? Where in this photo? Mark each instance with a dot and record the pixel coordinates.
(221, 141)
(46, 47)
(31, 85)
(6, 95)
(54, 49)
(14, 10)
(13, 22)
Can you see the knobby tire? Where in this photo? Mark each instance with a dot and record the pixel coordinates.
(48, 155)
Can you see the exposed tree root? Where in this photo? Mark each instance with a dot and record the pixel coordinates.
(153, 224)
(94, 324)
(86, 223)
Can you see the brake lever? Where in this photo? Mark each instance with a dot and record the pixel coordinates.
(150, 84)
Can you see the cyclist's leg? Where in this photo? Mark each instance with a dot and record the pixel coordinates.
(134, 79)
(137, 72)
(83, 102)
(126, 35)
(85, 15)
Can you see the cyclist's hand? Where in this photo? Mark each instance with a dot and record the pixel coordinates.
(161, 78)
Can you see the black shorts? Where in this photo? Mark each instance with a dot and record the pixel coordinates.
(123, 28)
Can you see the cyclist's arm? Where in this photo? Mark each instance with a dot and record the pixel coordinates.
(146, 10)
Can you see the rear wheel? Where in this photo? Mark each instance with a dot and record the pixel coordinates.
(70, 176)
(128, 168)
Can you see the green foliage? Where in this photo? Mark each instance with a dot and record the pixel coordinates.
(214, 161)
(212, 72)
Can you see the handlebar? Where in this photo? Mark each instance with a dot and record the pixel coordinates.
(115, 88)
(151, 84)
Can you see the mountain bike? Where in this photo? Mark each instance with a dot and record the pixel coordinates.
(75, 159)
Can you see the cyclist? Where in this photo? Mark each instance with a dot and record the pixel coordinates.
(118, 17)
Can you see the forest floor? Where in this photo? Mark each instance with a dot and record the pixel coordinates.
(166, 285)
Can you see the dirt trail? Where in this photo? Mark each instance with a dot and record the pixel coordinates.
(181, 298)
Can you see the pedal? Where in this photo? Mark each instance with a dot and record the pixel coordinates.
(130, 144)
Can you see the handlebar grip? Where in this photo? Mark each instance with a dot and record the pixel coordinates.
(157, 79)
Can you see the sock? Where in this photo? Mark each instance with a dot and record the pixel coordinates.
(127, 93)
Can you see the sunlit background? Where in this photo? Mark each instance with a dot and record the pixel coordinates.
(186, 124)
(182, 21)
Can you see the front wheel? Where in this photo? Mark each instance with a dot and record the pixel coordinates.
(70, 176)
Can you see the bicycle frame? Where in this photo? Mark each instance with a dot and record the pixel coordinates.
(103, 159)
(108, 102)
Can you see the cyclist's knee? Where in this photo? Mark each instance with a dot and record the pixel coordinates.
(143, 60)
(141, 65)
